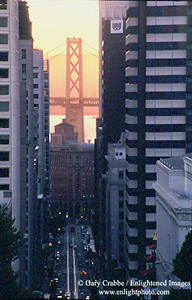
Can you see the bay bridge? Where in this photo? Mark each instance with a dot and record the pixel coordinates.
(74, 81)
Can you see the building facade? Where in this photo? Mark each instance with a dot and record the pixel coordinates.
(72, 179)
(158, 113)
(174, 210)
(115, 204)
(10, 104)
(19, 145)
(64, 133)
(28, 178)
(111, 123)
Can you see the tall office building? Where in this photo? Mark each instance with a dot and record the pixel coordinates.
(19, 145)
(158, 109)
(112, 70)
(10, 169)
(10, 105)
(41, 123)
(46, 111)
(111, 96)
(27, 154)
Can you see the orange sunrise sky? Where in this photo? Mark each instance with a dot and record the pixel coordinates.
(55, 20)
(52, 22)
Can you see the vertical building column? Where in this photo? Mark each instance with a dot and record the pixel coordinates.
(141, 132)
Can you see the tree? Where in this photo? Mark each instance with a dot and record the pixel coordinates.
(183, 261)
(10, 242)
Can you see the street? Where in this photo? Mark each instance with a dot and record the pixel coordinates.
(74, 263)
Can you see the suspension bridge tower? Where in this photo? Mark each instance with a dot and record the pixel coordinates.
(74, 86)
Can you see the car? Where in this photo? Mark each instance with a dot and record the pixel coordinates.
(78, 232)
(75, 247)
(67, 295)
(83, 272)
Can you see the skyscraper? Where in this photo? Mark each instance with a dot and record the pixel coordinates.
(111, 96)
(28, 177)
(158, 109)
(19, 144)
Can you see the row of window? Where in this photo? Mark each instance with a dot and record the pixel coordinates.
(4, 156)
(4, 123)
(3, 21)
(3, 4)
(159, 29)
(4, 172)
(4, 106)
(4, 139)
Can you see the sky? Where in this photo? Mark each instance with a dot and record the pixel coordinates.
(55, 20)
(52, 22)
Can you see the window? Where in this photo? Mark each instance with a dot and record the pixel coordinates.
(120, 174)
(4, 187)
(24, 68)
(4, 156)
(3, 21)
(3, 39)
(36, 96)
(3, 4)
(46, 77)
(121, 215)
(4, 172)
(4, 106)
(4, 123)
(121, 193)
(35, 75)
(24, 53)
(4, 73)
(4, 90)
(46, 85)
(4, 139)
(121, 204)
(35, 86)
(3, 56)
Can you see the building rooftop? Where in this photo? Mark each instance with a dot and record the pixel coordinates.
(73, 147)
(174, 163)
(64, 124)
(25, 25)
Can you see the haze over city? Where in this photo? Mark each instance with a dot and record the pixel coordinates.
(95, 149)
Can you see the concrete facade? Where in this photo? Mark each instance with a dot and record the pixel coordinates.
(64, 133)
(174, 210)
(158, 97)
(115, 202)
(72, 178)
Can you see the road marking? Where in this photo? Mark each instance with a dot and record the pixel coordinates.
(68, 284)
(74, 273)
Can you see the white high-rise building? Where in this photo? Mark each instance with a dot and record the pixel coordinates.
(174, 210)
(10, 106)
(22, 136)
